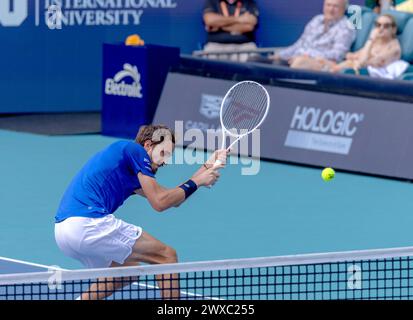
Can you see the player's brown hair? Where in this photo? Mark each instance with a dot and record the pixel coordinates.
(154, 133)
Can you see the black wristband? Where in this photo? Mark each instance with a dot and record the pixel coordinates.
(189, 187)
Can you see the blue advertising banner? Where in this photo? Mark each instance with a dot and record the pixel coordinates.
(133, 78)
(51, 59)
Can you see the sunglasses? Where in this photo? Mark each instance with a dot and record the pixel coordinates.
(384, 25)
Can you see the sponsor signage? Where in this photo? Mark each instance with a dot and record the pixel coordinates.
(59, 44)
(117, 86)
(322, 130)
(53, 48)
(69, 13)
(132, 81)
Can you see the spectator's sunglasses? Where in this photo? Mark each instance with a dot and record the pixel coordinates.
(384, 25)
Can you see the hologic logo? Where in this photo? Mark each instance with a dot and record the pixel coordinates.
(337, 123)
(327, 131)
(118, 87)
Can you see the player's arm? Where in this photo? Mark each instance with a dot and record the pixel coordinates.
(162, 198)
(220, 155)
(140, 192)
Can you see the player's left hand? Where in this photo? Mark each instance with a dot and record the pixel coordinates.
(220, 155)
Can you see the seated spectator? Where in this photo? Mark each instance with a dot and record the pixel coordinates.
(230, 25)
(326, 39)
(381, 49)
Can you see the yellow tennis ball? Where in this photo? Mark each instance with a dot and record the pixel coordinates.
(328, 174)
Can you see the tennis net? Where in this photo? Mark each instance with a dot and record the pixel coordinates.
(367, 274)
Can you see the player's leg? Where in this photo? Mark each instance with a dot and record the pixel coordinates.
(104, 242)
(107, 286)
(150, 250)
(146, 249)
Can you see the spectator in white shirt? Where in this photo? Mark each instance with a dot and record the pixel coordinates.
(326, 39)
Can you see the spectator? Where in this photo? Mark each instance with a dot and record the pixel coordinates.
(230, 25)
(382, 48)
(326, 40)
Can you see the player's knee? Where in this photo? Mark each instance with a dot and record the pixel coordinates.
(170, 255)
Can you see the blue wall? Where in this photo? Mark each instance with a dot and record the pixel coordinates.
(43, 70)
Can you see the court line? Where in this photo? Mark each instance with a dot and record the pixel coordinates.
(32, 264)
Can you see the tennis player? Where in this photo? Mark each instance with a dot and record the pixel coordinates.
(86, 228)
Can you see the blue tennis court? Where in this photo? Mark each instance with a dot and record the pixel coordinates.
(9, 266)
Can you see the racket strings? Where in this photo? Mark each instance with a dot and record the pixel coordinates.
(238, 113)
(244, 108)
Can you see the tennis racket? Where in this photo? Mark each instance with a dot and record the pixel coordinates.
(243, 109)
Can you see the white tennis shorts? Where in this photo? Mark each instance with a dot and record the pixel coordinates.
(96, 242)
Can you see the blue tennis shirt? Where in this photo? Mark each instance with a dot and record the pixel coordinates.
(105, 182)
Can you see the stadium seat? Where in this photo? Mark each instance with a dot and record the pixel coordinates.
(368, 18)
(406, 40)
(362, 72)
(408, 75)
